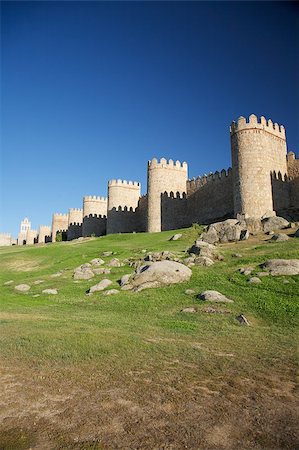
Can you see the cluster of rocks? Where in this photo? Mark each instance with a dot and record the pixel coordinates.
(26, 287)
(202, 253)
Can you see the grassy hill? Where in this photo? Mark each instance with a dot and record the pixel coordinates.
(133, 370)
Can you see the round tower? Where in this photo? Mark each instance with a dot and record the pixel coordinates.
(44, 234)
(59, 223)
(258, 148)
(123, 196)
(93, 205)
(163, 176)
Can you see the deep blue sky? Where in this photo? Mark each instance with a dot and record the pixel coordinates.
(92, 90)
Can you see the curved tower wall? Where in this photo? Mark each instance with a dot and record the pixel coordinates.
(75, 220)
(123, 197)
(94, 216)
(258, 148)
(163, 176)
(59, 223)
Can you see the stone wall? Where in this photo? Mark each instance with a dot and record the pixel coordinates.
(94, 216)
(44, 234)
(5, 239)
(210, 197)
(174, 211)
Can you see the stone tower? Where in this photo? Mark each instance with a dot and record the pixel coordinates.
(122, 196)
(75, 220)
(59, 223)
(44, 234)
(258, 148)
(24, 228)
(94, 215)
(163, 177)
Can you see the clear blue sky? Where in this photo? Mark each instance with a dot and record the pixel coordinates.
(92, 90)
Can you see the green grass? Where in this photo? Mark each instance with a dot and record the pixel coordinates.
(147, 330)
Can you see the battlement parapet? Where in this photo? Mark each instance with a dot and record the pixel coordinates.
(255, 123)
(79, 210)
(60, 216)
(170, 164)
(174, 195)
(94, 198)
(5, 235)
(124, 183)
(198, 182)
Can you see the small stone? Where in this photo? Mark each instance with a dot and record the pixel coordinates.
(50, 291)
(214, 296)
(254, 280)
(242, 319)
(263, 274)
(175, 237)
(237, 255)
(282, 266)
(38, 281)
(285, 281)
(101, 270)
(36, 295)
(55, 275)
(111, 292)
(189, 310)
(107, 253)
(211, 310)
(124, 279)
(246, 271)
(83, 274)
(203, 261)
(280, 237)
(85, 266)
(115, 263)
(100, 286)
(97, 262)
(189, 291)
(7, 283)
(22, 287)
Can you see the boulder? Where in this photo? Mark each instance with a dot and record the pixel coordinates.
(97, 262)
(282, 266)
(203, 261)
(297, 233)
(176, 237)
(214, 296)
(22, 287)
(246, 270)
(274, 223)
(203, 248)
(280, 237)
(160, 273)
(50, 291)
(100, 286)
(85, 265)
(83, 273)
(159, 256)
(229, 230)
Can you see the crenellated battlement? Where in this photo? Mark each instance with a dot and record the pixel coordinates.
(196, 183)
(124, 183)
(94, 198)
(255, 123)
(170, 164)
(72, 210)
(60, 216)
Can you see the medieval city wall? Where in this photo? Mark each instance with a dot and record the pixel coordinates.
(60, 223)
(210, 198)
(75, 219)
(174, 211)
(5, 239)
(44, 234)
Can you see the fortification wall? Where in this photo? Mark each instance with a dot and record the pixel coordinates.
(21, 238)
(163, 176)
(31, 237)
(94, 225)
(123, 197)
(210, 197)
(281, 190)
(59, 223)
(44, 234)
(258, 148)
(75, 219)
(293, 165)
(5, 239)
(174, 211)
